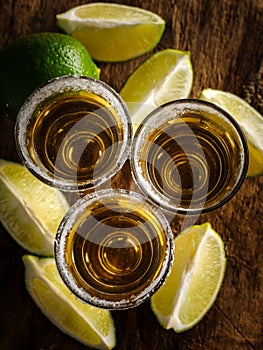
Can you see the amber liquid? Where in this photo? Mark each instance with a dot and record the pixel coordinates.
(115, 250)
(75, 137)
(190, 161)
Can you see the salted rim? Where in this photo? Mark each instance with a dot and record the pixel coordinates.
(65, 227)
(154, 120)
(69, 83)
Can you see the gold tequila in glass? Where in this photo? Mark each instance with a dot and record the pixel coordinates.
(189, 156)
(114, 249)
(73, 133)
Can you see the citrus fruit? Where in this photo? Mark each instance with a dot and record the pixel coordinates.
(113, 32)
(29, 210)
(90, 325)
(196, 277)
(34, 59)
(165, 76)
(248, 118)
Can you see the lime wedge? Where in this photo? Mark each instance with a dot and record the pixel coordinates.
(165, 76)
(248, 118)
(113, 32)
(195, 279)
(90, 325)
(29, 210)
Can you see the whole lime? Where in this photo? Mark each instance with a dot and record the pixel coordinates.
(33, 60)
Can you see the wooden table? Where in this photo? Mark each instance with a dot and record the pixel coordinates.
(225, 41)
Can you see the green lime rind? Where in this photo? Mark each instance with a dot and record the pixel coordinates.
(34, 59)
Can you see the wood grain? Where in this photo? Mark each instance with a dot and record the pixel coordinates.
(225, 41)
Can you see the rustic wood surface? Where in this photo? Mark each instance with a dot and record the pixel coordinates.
(225, 41)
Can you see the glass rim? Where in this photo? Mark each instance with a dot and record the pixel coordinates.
(66, 225)
(69, 83)
(150, 122)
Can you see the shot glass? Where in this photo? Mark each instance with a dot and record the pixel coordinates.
(73, 133)
(189, 156)
(114, 249)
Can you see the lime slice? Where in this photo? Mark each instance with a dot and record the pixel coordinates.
(196, 276)
(113, 32)
(249, 120)
(165, 76)
(90, 325)
(29, 210)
